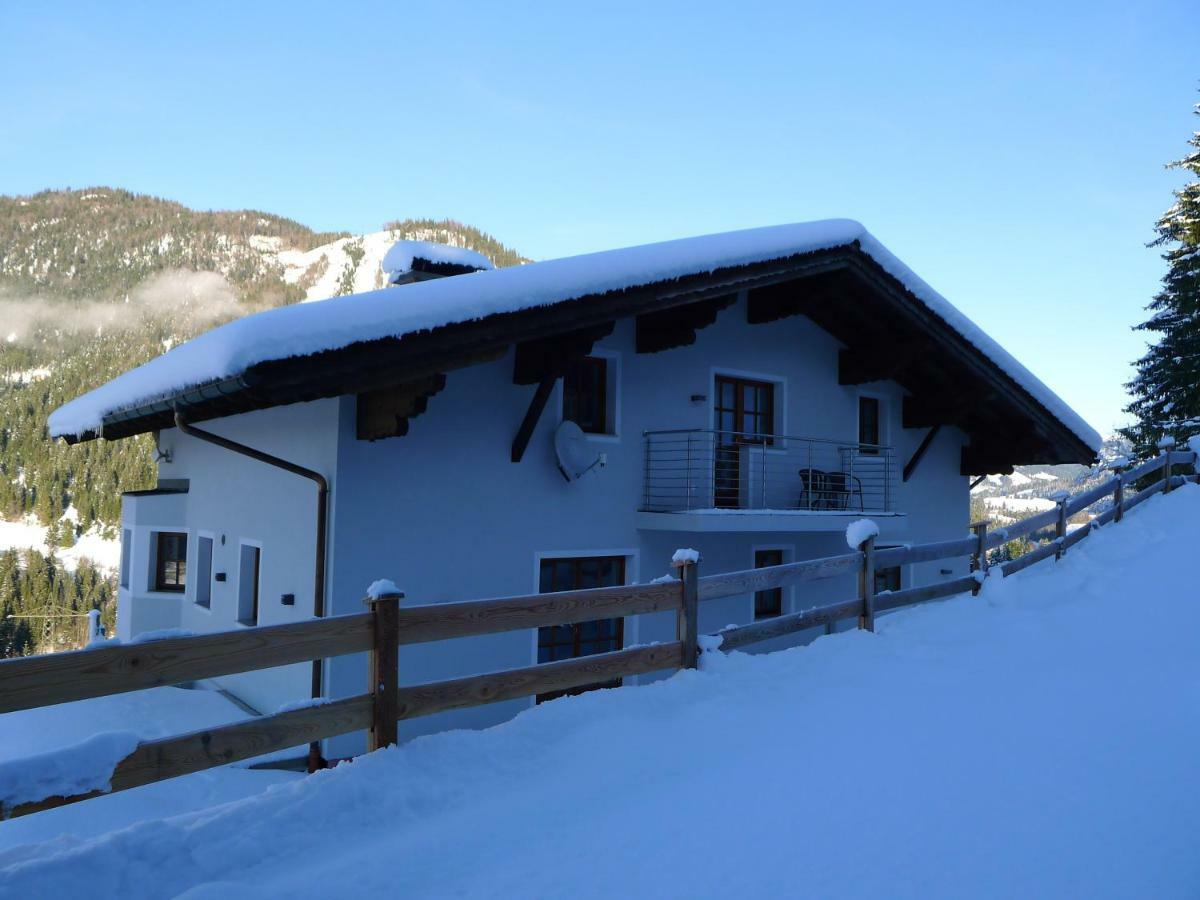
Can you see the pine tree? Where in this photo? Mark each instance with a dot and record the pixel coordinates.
(1166, 389)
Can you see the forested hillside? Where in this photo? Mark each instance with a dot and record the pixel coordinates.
(96, 281)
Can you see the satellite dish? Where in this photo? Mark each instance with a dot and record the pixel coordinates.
(576, 457)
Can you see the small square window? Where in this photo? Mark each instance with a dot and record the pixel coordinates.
(170, 561)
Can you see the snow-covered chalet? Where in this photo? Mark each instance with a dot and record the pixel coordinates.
(473, 432)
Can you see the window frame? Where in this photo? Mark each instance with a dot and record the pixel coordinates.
(901, 574)
(626, 625)
(739, 382)
(204, 585)
(780, 592)
(868, 448)
(611, 400)
(158, 582)
(126, 558)
(252, 620)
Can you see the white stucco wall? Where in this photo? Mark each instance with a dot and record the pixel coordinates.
(445, 514)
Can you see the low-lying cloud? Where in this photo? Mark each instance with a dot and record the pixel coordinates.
(185, 299)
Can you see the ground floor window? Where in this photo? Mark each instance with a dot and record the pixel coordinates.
(583, 638)
(768, 604)
(170, 561)
(889, 579)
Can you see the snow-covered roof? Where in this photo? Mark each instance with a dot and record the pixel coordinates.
(403, 254)
(304, 329)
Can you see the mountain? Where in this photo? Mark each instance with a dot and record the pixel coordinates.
(96, 281)
(1004, 499)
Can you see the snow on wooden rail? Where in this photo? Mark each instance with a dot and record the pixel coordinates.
(58, 678)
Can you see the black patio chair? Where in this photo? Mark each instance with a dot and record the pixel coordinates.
(829, 490)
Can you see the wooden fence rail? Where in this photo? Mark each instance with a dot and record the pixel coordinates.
(59, 678)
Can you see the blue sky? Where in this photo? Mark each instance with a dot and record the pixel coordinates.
(1012, 154)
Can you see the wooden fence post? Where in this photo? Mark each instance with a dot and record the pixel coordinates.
(384, 668)
(866, 585)
(1060, 527)
(687, 619)
(1167, 470)
(979, 562)
(1119, 494)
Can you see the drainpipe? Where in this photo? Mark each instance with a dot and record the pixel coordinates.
(315, 761)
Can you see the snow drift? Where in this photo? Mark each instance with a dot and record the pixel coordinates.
(1038, 740)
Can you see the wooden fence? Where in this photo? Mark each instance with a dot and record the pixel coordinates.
(386, 627)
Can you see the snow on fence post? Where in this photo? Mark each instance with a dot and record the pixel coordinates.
(687, 619)
(866, 585)
(383, 598)
(979, 560)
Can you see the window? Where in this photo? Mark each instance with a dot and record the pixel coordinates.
(126, 547)
(745, 410)
(170, 561)
(585, 395)
(583, 638)
(887, 579)
(204, 551)
(744, 413)
(768, 604)
(248, 572)
(869, 436)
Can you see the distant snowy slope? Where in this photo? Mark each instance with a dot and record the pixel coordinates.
(1036, 741)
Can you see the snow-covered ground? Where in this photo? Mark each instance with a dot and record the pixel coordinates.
(159, 712)
(1036, 741)
(1019, 504)
(29, 534)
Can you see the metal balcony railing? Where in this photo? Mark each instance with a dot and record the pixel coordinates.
(704, 469)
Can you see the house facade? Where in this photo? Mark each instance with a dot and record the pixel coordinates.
(749, 411)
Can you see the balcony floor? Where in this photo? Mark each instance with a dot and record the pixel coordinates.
(891, 524)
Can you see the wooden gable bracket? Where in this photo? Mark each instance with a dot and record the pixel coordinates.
(778, 301)
(986, 461)
(543, 362)
(925, 412)
(860, 367)
(385, 412)
(911, 465)
(677, 327)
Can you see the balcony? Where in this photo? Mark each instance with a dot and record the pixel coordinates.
(705, 480)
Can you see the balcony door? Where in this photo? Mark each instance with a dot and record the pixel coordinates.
(559, 642)
(744, 414)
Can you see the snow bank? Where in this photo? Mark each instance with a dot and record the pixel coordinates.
(400, 257)
(747, 779)
(307, 328)
(859, 531)
(79, 769)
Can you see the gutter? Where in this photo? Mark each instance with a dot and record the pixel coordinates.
(315, 761)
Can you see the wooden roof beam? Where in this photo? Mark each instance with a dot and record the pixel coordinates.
(669, 328)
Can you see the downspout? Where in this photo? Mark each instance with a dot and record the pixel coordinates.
(315, 761)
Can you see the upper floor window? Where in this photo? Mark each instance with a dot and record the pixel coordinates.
(745, 410)
(585, 395)
(249, 571)
(170, 561)
(870, 435)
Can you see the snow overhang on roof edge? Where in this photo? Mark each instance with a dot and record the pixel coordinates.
(216, 360)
